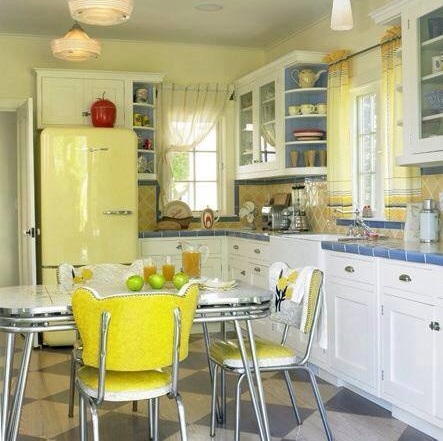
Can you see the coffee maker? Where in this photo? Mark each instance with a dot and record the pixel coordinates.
(299, 220)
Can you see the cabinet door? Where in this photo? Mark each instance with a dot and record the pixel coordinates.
(352, 329)
(438, 345)
(245, 135)
(238, 269)
(407, 352)
(62, 101)
(113, 90)
(423, 79)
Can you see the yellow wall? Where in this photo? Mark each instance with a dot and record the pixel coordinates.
(181, 63)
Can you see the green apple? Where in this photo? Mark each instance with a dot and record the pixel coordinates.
(135, 283)
(180, 279)
(156, 281)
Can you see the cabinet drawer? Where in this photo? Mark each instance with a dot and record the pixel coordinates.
(351, 268)
(411, 278)
(252, 249)
(169, 246)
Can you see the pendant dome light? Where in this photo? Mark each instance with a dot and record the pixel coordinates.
(75, 45)
(341, 17)
(101, 12)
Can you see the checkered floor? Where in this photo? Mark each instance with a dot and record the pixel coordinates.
(352, 418)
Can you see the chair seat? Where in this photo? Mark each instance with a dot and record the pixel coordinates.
(125, 386)
(269, 354)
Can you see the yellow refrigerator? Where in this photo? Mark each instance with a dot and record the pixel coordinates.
(88, 200)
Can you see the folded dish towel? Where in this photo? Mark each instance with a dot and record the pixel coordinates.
(292, 286)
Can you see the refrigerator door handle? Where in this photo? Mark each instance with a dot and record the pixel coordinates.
(118, 212)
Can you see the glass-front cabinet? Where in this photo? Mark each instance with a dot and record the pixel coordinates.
(422, 52)
(257, 130)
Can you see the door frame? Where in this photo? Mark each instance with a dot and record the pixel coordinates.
(27, 260)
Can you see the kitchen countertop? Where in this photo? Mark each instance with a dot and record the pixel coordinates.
(387, 248)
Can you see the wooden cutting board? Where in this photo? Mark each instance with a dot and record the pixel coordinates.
(281, 198)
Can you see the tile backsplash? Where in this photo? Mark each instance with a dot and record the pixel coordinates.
(320, 216)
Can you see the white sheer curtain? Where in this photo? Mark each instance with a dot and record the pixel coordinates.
(187, 115)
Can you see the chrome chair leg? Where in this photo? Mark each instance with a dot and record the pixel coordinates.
(181, 417)
(214, 400)
(320, 405)
(94, 417)
(72, 386)
(82, 416)
(237, 407)
(153, 418)
(222, 396)
(292, 396)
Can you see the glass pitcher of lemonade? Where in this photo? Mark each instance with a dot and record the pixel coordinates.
(193, 257)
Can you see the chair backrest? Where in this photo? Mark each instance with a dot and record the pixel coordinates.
(141, 327)
(283, 281)
(104, 273)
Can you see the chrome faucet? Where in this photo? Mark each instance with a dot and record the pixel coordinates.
(358, 222)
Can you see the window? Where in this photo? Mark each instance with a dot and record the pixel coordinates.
(196, 174)
(367, 176)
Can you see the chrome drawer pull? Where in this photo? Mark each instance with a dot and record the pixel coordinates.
(349, 269)
(178, 247)
(434, 326)
(257, 269)
(404, 278)
(243, 273)
(257, 251)
(86, 113)
(235, 247)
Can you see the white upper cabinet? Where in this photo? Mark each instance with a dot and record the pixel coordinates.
(65, 97)
(257, 134)
(422, 52)
(266, 145)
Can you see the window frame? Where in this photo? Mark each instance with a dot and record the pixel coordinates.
(355, 94)
(220, 136)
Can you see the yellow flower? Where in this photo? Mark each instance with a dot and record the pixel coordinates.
(86, 274)
(282, 282)
(292, 277)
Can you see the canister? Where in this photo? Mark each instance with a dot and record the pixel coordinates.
(429, 222)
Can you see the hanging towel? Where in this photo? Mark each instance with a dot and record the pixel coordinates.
(293, 285)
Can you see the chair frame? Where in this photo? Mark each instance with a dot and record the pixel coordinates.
(87, 401)
(218, 411)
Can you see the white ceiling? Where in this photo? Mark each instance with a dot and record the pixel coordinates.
(248, 23)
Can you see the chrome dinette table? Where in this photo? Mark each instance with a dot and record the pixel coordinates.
(29, 310)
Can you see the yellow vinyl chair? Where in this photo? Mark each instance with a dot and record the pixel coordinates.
(99, 273)
(132, 346)
(272, 357)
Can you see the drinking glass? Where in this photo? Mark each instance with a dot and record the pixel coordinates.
(149, 268)
(168, 269)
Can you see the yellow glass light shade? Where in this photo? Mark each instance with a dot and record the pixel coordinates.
(341, 17)
(101, 12)
(75, 46)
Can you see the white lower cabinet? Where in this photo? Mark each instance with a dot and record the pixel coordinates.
(438, 373)
(352, 319)
(407, 352)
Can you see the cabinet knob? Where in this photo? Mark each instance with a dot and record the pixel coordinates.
(349, 269)
(404, 278)
(257, 269)
(435, 326)
(178, 247)
(86, 113)
(257, 251)
(235, 247)
(243, 273)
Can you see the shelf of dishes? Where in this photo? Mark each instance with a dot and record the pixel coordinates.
(145, 162)
(307, 157)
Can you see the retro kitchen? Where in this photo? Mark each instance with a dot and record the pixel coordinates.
(264, 151)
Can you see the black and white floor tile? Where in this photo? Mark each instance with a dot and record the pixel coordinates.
(352, 418)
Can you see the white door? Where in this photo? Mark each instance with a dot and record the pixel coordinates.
(407, 352)
(25, 194)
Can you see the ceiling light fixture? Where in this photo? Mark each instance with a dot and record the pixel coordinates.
(101, 12)
(341, 17)
(75, 45)
(209, 7)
